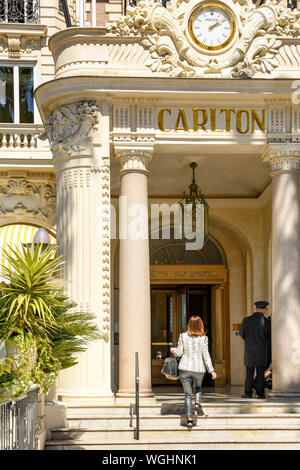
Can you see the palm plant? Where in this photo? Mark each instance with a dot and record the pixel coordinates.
(29, 300)
(32, 307)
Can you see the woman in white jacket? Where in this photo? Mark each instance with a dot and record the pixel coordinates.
(195, 361)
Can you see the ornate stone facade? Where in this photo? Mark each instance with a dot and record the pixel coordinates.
(168, 99)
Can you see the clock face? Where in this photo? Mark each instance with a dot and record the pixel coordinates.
(212, 26)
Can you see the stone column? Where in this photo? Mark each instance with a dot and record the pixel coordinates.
(82, 185)
(285, 166)
(134, 281)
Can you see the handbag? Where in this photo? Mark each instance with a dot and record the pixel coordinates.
(170, 369)
(268, 382)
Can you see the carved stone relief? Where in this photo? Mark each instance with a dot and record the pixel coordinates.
(69, 128)
(21, 197)
(261, 28)
(105, 170)
(15, 45)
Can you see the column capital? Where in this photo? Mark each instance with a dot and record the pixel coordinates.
(134, 159)
(69, 129)
(283, 157)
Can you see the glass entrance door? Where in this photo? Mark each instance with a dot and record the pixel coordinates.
(163, 330)
(170, 311)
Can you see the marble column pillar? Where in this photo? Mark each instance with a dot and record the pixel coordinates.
(285, 302)
(82, 209)
(134, 280)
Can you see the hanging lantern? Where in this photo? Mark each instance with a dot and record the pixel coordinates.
(194, 202)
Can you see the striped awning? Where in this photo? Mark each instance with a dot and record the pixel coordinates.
(13, 236)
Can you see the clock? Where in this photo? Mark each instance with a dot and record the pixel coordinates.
(212, 26)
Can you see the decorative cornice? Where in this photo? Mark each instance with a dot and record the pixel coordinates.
(134, 159)
(19, 40)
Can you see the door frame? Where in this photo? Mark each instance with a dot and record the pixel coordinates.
(217, 276)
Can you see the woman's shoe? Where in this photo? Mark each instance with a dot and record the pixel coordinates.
(189, 424)
(198, 409)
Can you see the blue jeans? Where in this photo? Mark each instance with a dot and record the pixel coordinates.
(188, 380)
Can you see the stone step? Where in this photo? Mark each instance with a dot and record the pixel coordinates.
(121, 422)
(191, 444)
(203, 433)
(253, 406)
(111, 410)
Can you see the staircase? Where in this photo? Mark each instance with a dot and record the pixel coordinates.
(228, 424)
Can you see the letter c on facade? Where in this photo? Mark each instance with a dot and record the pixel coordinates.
(160, 119)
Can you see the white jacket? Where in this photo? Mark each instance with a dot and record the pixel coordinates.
(194, 353)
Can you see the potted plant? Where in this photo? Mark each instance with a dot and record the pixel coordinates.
(41, 330)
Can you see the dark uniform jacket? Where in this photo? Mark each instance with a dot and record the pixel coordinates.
(256, 331)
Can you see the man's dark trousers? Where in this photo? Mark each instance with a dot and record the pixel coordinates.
(258, 384)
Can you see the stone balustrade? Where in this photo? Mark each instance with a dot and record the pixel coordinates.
(20, 136)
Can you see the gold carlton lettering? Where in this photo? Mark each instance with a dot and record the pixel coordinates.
(160, 119)
(241, 120)
(181, 117)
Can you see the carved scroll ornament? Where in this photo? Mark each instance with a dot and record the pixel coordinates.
(164, 33)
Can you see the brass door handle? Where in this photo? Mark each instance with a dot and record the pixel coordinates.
(161, 344)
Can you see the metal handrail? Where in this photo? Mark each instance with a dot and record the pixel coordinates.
(19, 422)
(135, 409)
(137, 397)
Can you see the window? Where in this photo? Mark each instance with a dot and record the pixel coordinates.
(16, 94)
(20, 11)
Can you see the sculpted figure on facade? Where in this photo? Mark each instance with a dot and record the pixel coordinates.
(69, 128)
(257, 31)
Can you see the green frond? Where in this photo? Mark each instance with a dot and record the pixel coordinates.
(33, 303)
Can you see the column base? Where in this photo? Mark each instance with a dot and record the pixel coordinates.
(131, 395)
(85, 398)
(131, 401)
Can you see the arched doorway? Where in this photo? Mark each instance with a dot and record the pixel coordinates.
(186, 283)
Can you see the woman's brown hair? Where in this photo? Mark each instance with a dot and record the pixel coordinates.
(195, 326)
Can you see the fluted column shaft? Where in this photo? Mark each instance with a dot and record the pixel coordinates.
(285, 273)
(134, 300)
(82, 210)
